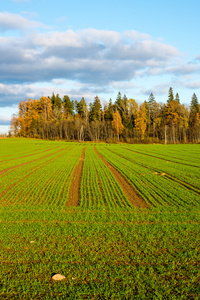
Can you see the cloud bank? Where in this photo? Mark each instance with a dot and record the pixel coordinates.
(91, 57)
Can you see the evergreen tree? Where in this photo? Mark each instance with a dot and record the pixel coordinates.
(95, 111)
(153, 108)
(170, 95)
(177, 98)
(109, 111)
(118, 99)
(151, 99)
(81, 108)
(53, 98)
(194, 109)
(58, 102)
(68, 106)
(194, 105)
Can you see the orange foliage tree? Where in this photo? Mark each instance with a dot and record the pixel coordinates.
(141, 120)
(117, 125)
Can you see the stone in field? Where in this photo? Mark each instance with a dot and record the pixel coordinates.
(58, 277)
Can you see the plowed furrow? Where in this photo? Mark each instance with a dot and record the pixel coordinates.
(132, 195)
(74, 190)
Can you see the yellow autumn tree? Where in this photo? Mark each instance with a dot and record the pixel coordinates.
(141, 120)
(117, 125)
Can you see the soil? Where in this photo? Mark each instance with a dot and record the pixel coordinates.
(74, 190)
(132, 195)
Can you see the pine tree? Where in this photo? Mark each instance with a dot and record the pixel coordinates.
(170, 95)
(151, 98)
(53, 98)
(81, 108)
(109, 111)
(95, 110)
(118, 99)
(194, 105)
(194, 119)
(177, 98)
(58, 102)
(68, 106)
(194, 109)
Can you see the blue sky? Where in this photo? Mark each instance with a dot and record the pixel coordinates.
(88, 48)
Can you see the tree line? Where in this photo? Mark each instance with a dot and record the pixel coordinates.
(124, 120)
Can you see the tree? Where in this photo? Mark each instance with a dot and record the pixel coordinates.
(15, 124)
(81, 109)
(122, 105)
(118, 99)
(194, 105)
(108, 116)
(177, 98)
(194, 119)
(141, 120)
(56, 105)
(153, 112)
(68, 106)
(170, 95)
(117, 125)
(95, 110)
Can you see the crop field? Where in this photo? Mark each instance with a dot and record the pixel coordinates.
(118, 221)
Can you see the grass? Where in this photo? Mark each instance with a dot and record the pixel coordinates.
(104, 251)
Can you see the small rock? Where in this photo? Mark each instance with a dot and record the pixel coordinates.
(162, 174)
(73, 278)
(58, 277)
(32, 242)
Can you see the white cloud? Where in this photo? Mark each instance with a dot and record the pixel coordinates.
(68, 38)
(184, 69)
(93, 56)
(12, 94)
(193, 84)
(9, 21)
(98, 60)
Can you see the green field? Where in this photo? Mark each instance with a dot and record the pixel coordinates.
(130, 232)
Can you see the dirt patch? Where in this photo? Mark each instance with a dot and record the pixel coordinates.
(74, 190)
(132, 195)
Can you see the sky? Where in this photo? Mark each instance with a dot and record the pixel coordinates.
(88, 48)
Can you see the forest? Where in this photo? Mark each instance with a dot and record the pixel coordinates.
(124, 120)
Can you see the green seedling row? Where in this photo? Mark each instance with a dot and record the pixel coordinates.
(105, 248)
(99, 187)
(46, 184)
(153, 187)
